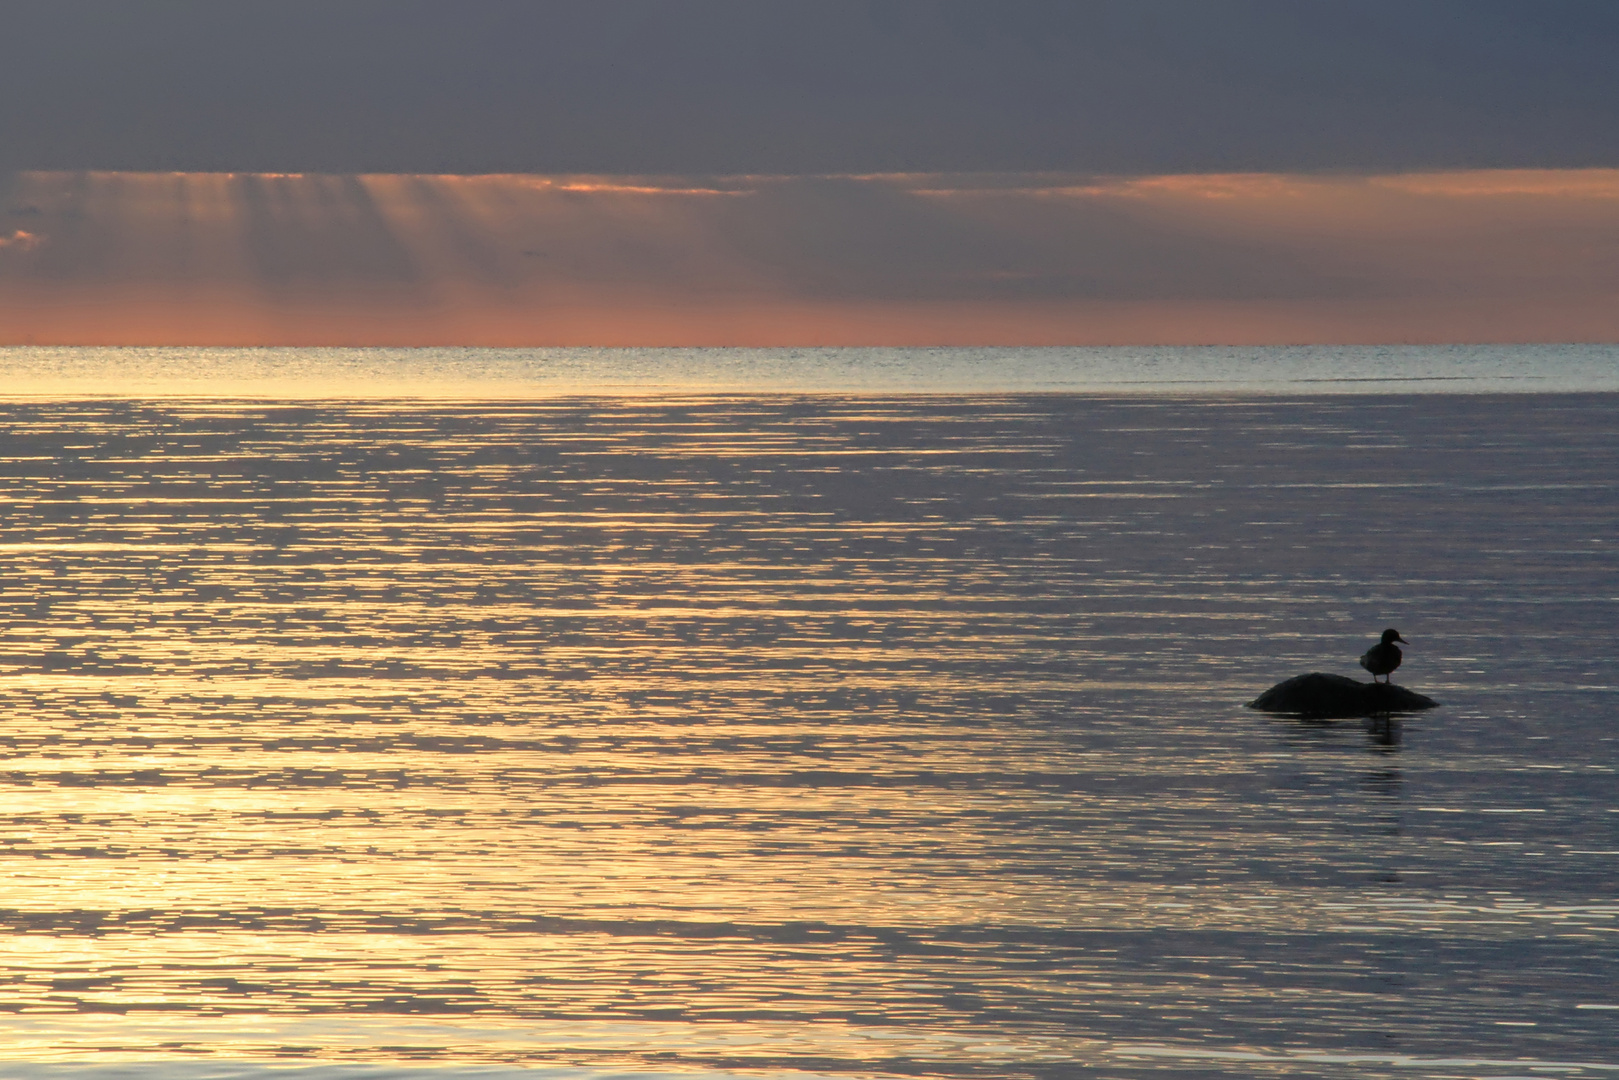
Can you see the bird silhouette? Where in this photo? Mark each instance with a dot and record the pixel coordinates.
(1385, 656)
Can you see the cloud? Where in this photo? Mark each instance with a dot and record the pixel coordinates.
(24, 241)
(635, 87)
(854, 258)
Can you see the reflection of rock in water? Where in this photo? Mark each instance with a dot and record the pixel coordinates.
(1337, 696)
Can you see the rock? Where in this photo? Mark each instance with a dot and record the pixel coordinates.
(1333, 697)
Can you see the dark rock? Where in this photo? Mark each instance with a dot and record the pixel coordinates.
(1333, 697)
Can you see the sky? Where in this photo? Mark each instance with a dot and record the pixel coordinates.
(800, 172)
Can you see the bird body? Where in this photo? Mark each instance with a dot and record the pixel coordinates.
(1385, 656)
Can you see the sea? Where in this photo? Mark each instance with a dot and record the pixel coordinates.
(573, 714)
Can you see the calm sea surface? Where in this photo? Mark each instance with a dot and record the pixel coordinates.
(711, 714)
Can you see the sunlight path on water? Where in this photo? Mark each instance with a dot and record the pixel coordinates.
(810, 734)
(526, 374)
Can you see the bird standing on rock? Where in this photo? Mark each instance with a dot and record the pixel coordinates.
(1385, 656)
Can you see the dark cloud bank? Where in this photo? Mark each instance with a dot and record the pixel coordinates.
(817, 86)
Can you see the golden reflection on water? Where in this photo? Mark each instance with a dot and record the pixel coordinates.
(777, 732)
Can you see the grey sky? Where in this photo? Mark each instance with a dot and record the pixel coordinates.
(817, 86)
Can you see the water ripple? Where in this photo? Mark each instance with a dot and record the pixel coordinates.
(804, 734)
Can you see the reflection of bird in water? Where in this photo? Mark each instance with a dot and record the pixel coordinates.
(1383, 657)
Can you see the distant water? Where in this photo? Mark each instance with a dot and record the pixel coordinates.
(840, 733)
(526, 373)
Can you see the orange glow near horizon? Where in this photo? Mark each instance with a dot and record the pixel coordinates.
(289, 259)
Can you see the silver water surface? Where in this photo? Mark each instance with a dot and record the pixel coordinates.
(837, 734)
(524, 374)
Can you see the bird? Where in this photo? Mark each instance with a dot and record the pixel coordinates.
(1383, 657)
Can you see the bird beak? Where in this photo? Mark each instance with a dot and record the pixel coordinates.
(1401, 640)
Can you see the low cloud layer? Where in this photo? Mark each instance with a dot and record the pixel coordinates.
(1036, 258)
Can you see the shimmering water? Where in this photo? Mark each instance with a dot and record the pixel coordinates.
(705, 734)
(524, 374)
